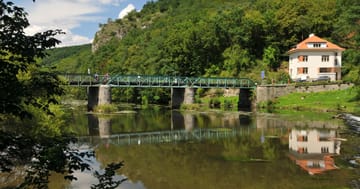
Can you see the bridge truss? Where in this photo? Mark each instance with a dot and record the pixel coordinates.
(146, 81)
(178, 136)
(172, 136)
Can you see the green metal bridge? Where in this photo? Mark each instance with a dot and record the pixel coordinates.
(148, 81)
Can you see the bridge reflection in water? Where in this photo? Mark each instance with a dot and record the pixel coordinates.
(311, 149)
(167, 136)
(311, 145)
(100, 131)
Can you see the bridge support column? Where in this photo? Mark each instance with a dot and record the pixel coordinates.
(99, 126)
(98, 95)
(93, 97)
(93, 125)
(245, 103)
(182, 96)
(189, 121)
(104, 127)
(104, 94)
(181, 121)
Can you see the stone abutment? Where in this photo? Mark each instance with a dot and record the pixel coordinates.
(270, 92)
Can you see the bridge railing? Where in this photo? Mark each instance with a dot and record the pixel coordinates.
(158, 81)
(168, 136)
(85, 79)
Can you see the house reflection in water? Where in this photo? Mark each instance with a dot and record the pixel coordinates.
(313, 149)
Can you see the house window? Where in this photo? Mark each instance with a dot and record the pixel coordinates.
(302, 150)
(317, 45)
(303, 58)
(314, 164)
(325, 58)
(324, 70)
(302, 138)
(324, 149)
(303, 70)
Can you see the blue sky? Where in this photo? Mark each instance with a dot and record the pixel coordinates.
(80, 19)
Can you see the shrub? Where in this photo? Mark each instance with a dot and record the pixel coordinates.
(105, 108)
(190, 107)
(214, 103)
(228, 104)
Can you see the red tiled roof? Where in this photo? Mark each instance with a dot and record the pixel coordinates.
(315, 39)
(303, 163)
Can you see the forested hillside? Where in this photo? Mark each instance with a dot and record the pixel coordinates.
(230, 38)
(69, 59)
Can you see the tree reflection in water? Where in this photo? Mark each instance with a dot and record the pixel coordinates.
(258, 157)
(264, 153)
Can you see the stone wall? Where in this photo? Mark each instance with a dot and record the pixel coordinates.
(226, 92)
(270, 92)
(272, 121)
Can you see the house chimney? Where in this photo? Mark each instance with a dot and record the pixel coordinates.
(311, 35)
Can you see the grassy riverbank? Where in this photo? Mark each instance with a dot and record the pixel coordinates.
(329, 101)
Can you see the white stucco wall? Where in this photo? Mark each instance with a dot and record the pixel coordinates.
(313, 64)
(313, 144)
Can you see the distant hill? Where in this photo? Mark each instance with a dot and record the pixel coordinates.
(74, 59)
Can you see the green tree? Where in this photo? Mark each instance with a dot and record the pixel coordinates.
(106, 180)
(296, 19)
(18, 53)
(347, 34)
(192, 47)
(270, 58)
(29, 92)
(236, 59)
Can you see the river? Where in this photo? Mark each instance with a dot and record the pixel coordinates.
(164, 149)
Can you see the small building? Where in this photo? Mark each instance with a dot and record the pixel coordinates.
(315, 57)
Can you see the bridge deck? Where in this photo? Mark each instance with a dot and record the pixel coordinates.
(167, 136)
(144, 81)
(174, 136)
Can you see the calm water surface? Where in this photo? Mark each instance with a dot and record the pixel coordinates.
(165, 149)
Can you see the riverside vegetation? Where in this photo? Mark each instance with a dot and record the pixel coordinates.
(340, 101)
(330, 101)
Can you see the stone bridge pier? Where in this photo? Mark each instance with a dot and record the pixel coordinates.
(182, 96)
(181, 121)
(245, 102)
(99, 126)
(187, 96)
(98, 95)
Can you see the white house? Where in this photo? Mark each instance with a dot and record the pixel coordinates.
(315, 57)
(313, 141)
(313, 149)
